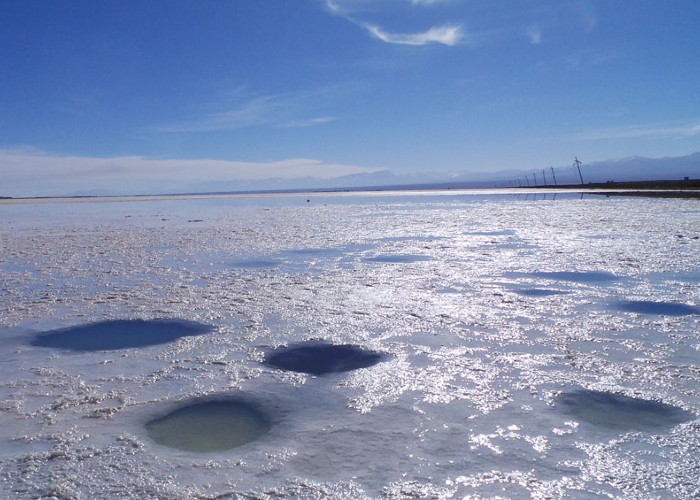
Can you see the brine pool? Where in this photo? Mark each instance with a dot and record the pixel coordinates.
(353, 345)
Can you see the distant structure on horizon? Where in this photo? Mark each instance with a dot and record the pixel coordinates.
(625, 170)
(577, 164)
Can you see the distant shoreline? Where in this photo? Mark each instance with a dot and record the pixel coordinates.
(659, 185)
(687, 188)
(652, 194)
(658, 189)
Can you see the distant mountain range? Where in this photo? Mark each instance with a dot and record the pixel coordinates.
(619, 170)
(635, 168)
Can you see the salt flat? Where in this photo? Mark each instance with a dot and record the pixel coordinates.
(521, 346)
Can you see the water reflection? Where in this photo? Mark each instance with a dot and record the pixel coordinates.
(398, 258)
(616, 411)
(661, 308)
(119, 334)
(504, 232)
(539, 292)
(578, 276)
(319, 358)
(255, 264)
(210, 426)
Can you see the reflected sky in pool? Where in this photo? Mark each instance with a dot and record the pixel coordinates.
(119, 334)
(320, 359)
(653, 307)
(620, 412)
(209, 426)
(579, 276)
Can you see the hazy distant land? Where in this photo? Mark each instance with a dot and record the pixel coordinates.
(625, 173)
(689, 188)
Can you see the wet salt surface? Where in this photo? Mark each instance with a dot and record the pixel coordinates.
(255, 264)
(467, 401)
(580, 276)
(397, 259)
(539, 292)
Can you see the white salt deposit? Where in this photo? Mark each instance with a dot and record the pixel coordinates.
(498, 319)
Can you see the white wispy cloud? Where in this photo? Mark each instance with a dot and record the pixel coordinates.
(428, 2)
(311, 122)
(240, 110)
(29, 172)
(586, 58)
(445, 35)
(534, 33)
(679, 131)
(255, 111)
(334, 7)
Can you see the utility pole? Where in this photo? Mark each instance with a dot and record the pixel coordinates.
(555, 179)
(527, 180)
(534, 178)
(577, 164)
(544, 178)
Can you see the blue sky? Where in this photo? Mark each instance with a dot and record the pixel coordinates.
(133, 94)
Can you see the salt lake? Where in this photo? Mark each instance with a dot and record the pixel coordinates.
(438, 344)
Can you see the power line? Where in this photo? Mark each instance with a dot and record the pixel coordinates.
(577, 164)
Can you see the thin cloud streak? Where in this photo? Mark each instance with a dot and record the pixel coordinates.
(312, 122)
(588, 58)
(448, 34)
(445, 35)
(535, 35)
(30, 172)
(257, 111)
(266, 110)
(24, 165)
(428, 2)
